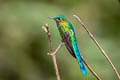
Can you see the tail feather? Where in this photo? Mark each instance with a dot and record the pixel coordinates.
(82, 68)
(78, 57)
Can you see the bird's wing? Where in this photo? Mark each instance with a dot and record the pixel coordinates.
(66, 40)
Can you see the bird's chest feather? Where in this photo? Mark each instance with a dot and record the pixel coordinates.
(65, 28)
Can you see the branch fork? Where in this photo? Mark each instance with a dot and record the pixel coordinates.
(59, 46)
(53, 56)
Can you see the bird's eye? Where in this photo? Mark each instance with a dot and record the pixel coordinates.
(58, 19)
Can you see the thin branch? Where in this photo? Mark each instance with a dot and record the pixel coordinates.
(91, 70)
(97, 44)
(46, 29)
(59, 46)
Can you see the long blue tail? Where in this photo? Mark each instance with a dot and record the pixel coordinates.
(78, 57)
(82, 68)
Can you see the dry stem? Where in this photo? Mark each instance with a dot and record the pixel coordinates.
(60, 45)
(91, 70)
(46, 29)
(97, 44)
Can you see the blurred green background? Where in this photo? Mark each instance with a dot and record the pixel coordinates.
(24, 44)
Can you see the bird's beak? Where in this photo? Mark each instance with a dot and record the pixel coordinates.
(51, 17)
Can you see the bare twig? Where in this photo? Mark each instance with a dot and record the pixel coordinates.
(91, 70)
(102, 51)
(46, 29)
(59, 46)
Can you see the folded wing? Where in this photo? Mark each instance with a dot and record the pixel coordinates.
(66, 40)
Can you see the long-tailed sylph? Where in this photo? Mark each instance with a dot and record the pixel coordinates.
(68, 38)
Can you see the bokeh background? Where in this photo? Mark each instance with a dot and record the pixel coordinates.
(24, 44)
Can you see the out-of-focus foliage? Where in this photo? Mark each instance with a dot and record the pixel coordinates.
(24, 45)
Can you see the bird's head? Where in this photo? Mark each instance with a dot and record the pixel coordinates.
(59, 18)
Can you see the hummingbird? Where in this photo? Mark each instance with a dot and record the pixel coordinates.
(67, 34)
